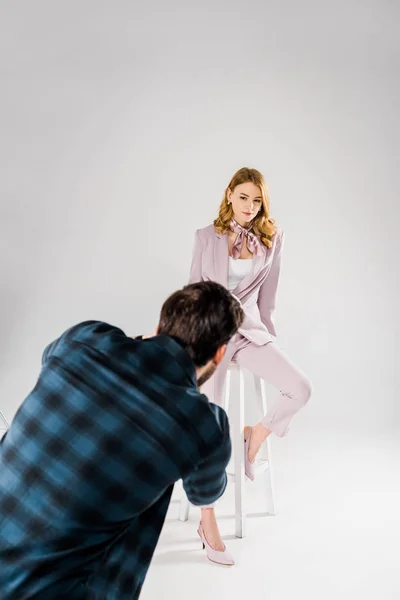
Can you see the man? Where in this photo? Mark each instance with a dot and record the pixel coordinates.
(88, 464)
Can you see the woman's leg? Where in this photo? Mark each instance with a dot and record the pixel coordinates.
(272, 364)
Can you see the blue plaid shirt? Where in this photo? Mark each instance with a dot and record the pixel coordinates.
(88, 464)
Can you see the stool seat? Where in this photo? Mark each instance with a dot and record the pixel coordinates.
(235, 396)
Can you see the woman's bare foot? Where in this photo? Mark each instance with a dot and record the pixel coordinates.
(210, 528)
(259, 434)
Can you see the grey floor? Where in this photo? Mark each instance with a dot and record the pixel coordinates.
(335, 536)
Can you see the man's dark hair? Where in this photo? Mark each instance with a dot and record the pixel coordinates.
(202, 316)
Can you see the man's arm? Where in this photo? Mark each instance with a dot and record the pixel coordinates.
(208, 482)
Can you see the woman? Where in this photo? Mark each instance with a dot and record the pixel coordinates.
(242, 251)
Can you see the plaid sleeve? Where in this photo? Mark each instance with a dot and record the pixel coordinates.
(81, 332)
(48, 351)
(208, 482)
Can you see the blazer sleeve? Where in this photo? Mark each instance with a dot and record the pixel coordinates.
(195, 269)
(268, 290)
(208, 482)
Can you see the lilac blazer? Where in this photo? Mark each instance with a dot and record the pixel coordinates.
(256, 292)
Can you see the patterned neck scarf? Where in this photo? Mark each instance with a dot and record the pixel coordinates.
(252, 241)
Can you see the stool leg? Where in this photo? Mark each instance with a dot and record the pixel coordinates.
(184, 507)
(270, 486)
(238, 449)
(261, 396)
(259, 385)
(227, 391)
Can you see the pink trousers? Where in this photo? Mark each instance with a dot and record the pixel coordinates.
(272, 365)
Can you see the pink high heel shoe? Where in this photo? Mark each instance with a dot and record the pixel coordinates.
(220, 557)
(249, 468)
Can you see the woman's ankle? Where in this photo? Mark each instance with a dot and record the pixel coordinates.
(207, 514)
(262, 431)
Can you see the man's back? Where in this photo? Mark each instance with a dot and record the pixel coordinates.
(111, 424)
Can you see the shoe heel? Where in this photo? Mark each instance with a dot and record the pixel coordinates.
(198, 532)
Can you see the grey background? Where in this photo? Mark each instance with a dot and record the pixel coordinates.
(121, 125)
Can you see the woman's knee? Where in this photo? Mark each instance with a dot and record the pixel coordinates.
(305, 390)
(300, 391)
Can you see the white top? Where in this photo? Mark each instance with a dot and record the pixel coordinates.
(237, 270)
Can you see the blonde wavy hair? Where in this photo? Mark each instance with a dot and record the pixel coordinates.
(262, 224)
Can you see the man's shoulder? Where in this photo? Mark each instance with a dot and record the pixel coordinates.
(99, 334)
(96, 327)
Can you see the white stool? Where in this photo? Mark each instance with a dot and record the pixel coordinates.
(235, 394)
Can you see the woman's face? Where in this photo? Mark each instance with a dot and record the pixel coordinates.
(246, 202)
